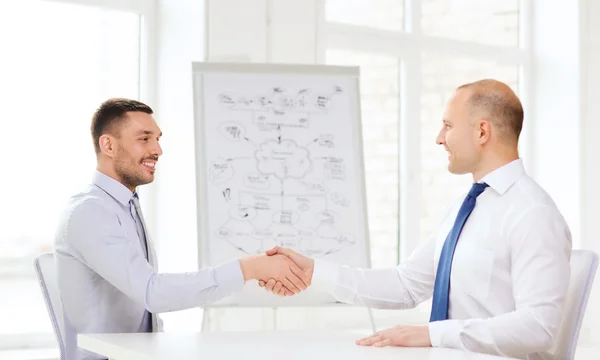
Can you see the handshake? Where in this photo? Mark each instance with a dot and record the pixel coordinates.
(281, 271)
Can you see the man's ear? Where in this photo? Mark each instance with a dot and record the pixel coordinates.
(485, 130)
(107, 145)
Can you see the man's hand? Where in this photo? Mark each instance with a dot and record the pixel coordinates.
(278, 267)
(409, 336)
(307, 264)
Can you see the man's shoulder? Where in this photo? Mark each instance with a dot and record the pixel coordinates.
(529, 192)
(529, 201)
(90, 200)
(532, 214)
(81, 209)
(85, 215)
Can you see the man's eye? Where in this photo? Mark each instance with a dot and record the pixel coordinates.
(144, 139)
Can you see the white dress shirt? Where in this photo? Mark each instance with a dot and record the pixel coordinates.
(509, 276)
(106, 282)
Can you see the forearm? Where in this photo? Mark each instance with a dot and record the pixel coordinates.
(376, 288)
(514, 334)
(173, 292)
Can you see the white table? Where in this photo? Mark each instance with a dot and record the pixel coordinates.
(257, 345)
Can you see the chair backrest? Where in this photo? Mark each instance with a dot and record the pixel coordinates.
(583, 269)
(46, 274)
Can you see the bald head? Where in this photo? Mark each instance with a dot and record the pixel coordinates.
(496, 102)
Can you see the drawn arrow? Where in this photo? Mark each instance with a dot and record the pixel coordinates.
(332, 251)
(242, 250)
(237, 247)
(250, 141)
(312, 142)
(279, 131)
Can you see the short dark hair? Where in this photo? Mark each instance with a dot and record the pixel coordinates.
(111, 113)
(500, 103)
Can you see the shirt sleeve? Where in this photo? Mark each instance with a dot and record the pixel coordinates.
(402, 287)
(96, 238)
(540, 266)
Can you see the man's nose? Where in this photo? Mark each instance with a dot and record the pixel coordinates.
(157, 150)
(440, 138)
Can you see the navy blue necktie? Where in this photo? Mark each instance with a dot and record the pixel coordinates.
(441, 290)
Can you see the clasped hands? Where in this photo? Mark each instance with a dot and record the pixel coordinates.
(284, 272)
(281, 271)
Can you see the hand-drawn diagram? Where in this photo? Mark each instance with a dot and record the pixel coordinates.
(285, 184)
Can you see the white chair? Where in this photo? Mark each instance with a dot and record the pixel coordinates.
(583, 269)
(46, 274)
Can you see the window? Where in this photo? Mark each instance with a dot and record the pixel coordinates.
(447, 44)
(381, 14)
(66, 59)
(494, 22)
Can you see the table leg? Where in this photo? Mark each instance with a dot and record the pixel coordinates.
(205, 320)
(372, 320)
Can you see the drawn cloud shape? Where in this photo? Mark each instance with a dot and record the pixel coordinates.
(284, 159)
(220, 170)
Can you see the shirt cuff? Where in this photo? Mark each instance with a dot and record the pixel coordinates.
(229, 277)
(445, 333)
(325, 276)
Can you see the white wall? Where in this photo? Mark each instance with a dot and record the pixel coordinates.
(282, 31)
(556, 110)
(180, 41)
(590, 149)
(590, 127)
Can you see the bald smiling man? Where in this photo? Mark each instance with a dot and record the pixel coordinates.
(498, 266)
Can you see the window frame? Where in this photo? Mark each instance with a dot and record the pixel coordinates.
(146, 9)
(408, 46)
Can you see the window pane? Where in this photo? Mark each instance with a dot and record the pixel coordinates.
(66, 60)
(381, 14)
(379, 104)
(494, 22)
(441, 76)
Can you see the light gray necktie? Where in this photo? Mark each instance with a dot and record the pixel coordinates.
(136, 213)
(151, 252)
(138, 217)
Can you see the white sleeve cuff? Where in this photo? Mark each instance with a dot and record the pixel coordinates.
(229, 277)
(325, 276)
(445, 333)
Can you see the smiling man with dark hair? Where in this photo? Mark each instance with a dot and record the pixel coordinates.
(106, 265)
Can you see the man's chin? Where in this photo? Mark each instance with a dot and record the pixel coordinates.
(147, 179)
(456, 171)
